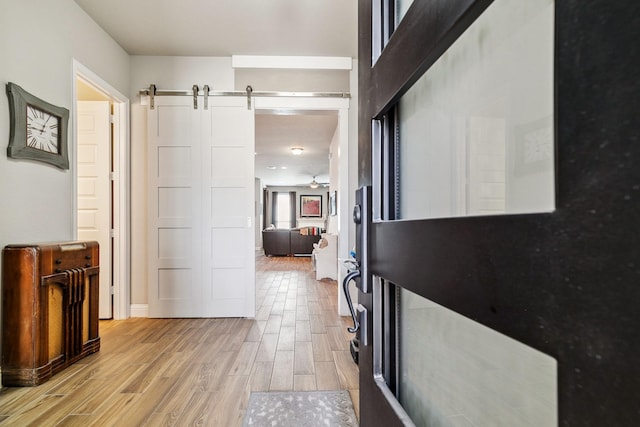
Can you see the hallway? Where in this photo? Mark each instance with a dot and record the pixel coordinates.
(201, 371)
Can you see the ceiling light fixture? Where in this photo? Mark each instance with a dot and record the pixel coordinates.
(314, 183)
(296, 151)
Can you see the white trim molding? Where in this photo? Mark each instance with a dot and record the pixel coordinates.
(293, 62)
(121, 207)
(139, 310)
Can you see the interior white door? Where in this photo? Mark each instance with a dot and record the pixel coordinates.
(175, 209)
(228, 203)
(94, 189)
(201, 260)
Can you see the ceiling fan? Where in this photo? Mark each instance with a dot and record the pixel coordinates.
(316, 184)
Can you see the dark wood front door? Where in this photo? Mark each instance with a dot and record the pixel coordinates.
(561, 284)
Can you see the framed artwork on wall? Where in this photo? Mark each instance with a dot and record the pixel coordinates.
(311, 206)
(38, 130)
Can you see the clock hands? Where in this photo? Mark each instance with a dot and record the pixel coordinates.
(41, 130)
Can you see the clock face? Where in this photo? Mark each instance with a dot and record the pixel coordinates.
(42, 130)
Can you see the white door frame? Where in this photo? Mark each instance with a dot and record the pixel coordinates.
(121, 178)
(341, 105)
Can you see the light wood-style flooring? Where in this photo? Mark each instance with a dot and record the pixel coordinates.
(183, 372)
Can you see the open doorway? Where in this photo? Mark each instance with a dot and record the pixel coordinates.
(332, 113)
(293, 158)
(101, 174)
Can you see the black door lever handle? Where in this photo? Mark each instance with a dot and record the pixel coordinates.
(345, 285)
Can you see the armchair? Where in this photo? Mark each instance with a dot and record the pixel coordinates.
(325, 257)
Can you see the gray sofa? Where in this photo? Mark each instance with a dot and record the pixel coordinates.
(288, 242)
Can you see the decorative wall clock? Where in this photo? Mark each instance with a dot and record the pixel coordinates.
(38, 129)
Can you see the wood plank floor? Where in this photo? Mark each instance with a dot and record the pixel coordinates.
(153, 372)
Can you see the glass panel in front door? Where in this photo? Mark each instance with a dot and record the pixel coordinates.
(386, 16)
(456, 372)
(476, 130)
(401, 7)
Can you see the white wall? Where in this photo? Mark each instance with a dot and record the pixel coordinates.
(334, 179)
(38, 41)
(180, 73)
(352, 174)
(139, 193)
(258, 213)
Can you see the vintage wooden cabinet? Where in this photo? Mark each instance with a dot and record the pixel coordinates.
(49, 309)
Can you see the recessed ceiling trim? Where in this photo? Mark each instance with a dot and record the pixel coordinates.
(292, 62)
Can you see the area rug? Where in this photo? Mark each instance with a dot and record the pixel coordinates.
(300, 408)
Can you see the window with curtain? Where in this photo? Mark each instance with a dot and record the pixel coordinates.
(284, 209)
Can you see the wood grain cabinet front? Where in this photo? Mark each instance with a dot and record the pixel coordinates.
(49, 309)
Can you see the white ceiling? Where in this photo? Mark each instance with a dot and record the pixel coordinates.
(229, 27)
(246, 27)
(311, 131)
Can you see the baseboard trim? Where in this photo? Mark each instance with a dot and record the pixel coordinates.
(139, 310)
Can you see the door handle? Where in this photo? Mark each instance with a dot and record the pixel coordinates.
(345, 285)
(362, 219)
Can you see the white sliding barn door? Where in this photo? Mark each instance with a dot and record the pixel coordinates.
(175, 209)
(201, 262)
(228, 199)
(94, 189)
